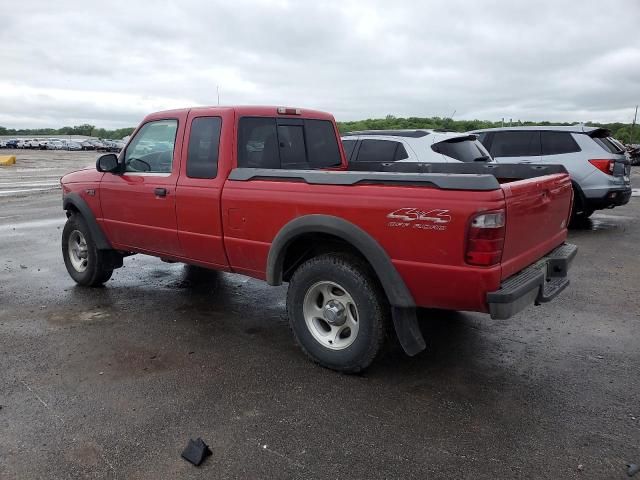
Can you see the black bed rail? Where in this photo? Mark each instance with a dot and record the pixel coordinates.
(516, 171)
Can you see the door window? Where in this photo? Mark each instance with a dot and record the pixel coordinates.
(525, 143)
(151, 150)
(204, 140)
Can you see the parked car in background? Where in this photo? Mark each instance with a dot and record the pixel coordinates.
(98, 145)
(597, 163)
(112, 146)
(634, 154)
(427, 146)
(55, 145)
(73, 146)
(13, 143)
(3, 144)
(119, 145)
(87, 145)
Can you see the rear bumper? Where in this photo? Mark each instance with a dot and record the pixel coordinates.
(538, 283)
(607, 198)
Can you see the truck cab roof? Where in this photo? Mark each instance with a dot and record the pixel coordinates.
(247, 111)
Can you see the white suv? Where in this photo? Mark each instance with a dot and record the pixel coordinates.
(425, 146)
(597, 163)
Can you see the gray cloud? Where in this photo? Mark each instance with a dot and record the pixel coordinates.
(67, 62)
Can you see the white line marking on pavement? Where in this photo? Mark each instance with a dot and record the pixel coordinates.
(7, 193)
(33, 224)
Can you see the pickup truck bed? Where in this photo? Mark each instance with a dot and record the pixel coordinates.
(358, 244)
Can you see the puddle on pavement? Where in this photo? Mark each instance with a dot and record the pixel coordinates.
(602, 222)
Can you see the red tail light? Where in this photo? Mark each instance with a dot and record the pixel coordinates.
(485, 240)
(604, 165)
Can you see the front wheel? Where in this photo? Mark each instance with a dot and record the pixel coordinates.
(86, 264)
(337, 311)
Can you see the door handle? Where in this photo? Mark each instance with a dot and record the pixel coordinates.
(160, 192)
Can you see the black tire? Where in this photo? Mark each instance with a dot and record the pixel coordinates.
(580, 211)
(357, 280)
(586, 213)
(98, 267)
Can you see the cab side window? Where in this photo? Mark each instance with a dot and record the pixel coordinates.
(151, 150)
(258, 143)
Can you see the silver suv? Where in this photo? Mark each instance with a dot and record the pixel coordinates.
(422, 145)
(598, 166)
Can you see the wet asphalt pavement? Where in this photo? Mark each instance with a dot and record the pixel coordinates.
(112, 382)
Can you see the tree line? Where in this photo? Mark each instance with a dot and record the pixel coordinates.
(85, 130)
(621, 131)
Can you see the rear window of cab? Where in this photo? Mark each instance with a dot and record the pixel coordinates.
(287, 143)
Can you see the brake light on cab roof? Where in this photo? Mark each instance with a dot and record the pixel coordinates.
(289, 111)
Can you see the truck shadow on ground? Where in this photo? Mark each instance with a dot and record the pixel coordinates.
(453, 340)
(207, 304)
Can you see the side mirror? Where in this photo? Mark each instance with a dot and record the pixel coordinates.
(107, 163)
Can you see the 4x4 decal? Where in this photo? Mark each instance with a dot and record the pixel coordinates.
(436, 219)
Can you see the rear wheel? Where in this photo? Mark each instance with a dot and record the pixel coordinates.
(337, 311)
(580, 210)
(86, 264)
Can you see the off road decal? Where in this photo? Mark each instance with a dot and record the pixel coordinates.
(436, 219)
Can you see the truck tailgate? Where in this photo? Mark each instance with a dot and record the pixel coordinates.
(537, 213)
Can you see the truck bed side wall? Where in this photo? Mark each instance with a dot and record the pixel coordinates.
(428, 252)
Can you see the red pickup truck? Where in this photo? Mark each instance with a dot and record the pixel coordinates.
(267, 192)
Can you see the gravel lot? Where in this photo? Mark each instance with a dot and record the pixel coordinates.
(112, 382)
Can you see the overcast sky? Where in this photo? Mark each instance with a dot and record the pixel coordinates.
(110, 63)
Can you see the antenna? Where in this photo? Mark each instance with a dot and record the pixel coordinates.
(633, 125)
(218, 92)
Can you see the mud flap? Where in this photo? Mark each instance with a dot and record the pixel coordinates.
(405, 322)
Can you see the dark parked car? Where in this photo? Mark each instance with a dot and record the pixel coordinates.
(114, 146)
(98, 145)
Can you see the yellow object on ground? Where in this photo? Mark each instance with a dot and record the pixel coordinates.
(7, 160)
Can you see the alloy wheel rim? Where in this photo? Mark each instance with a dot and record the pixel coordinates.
(78, 251)
(331, 315)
